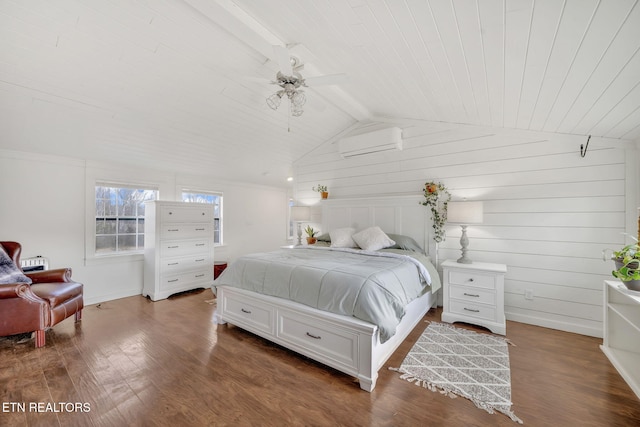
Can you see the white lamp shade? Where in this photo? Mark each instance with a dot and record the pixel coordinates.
(465, 212)
(300, 213)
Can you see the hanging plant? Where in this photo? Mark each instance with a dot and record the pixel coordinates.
(437, 197)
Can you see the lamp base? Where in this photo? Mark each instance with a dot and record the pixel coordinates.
(464, 242)
(299, 234)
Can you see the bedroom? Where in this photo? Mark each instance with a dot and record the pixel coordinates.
(91, 93)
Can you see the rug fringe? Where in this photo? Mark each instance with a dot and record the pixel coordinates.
(452, 394)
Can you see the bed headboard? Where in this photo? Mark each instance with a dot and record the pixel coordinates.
(394, 214)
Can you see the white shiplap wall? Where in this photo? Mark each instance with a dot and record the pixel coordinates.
(549, 212)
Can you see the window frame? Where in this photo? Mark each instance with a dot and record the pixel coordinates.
(117, 218)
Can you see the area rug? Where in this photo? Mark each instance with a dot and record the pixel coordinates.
(461, 362)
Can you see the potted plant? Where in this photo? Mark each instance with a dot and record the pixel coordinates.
(627, 262)
(322, 189)
(437, 197)
(311, 233)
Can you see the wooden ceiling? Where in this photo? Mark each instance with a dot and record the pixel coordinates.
(180, 85)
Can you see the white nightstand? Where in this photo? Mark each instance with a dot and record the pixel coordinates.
(474, 293)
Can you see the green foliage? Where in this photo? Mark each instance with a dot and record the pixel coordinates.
(310, 231)
(320, 188)
(628, 262)
(437, 197)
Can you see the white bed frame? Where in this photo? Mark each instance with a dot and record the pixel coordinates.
(345, 343)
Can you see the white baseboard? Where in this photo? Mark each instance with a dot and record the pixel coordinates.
(110, 297)
(552, 324)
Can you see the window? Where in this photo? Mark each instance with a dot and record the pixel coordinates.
(216, 200)
(120, 218)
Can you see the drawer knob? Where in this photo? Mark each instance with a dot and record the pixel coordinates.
(315, 337)
(473, 310)
(471, 279)
(245, 311)
(471, 295)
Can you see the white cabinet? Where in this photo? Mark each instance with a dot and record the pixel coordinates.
(178, 248)
(474, 293)
(622, 331)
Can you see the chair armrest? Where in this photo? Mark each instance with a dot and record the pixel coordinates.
(50, 276)
(11, 290)
(19, 290)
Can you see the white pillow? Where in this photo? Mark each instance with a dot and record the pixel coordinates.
(372, 239)
(341, 238)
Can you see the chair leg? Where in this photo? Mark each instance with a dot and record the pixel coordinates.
(78, 316)
(40, 338)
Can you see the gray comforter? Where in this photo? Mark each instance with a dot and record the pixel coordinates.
(371, 286)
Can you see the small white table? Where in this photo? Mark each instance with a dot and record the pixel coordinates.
(474, 293)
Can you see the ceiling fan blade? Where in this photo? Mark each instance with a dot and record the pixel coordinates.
(328, 79)
(284, 60)
(254, 79)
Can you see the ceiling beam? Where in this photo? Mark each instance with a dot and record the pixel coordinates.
(232, 18)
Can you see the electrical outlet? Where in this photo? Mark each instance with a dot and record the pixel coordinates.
(528, 294)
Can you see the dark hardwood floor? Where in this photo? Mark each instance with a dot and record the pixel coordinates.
(140, 363)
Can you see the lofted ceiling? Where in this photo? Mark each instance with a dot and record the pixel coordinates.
(180, 85)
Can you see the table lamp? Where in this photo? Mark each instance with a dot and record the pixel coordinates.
(464, 213)
(300, 214)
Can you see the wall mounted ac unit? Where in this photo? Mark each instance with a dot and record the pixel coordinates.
(371, 142)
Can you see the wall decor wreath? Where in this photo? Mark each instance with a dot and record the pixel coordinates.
(437, 197)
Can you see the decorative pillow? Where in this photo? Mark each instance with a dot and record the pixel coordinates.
(324, 238)
(372, 239)
(341, 238)
(405, 242)
(9, 272)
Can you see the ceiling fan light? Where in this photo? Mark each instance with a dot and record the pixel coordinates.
(296, 111)
(298, 99)
(274, 101)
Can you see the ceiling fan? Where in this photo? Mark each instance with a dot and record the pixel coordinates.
(291, 81)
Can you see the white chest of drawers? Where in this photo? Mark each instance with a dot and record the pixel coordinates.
(178, 248)
(474, 293)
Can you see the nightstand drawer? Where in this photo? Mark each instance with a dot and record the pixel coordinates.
(473, 295)
(472, 278)
(473, 310)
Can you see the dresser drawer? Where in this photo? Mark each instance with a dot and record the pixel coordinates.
(186, 214)
(469, 309)
(472, 278)
(248, 314)
(185, 231)
(186, 280)
(177, 248)
(196, 261)
(322, 338)
(474, 295)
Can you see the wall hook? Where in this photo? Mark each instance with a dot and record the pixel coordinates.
(583, 148)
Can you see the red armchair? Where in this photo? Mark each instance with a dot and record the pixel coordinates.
(51, 298)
